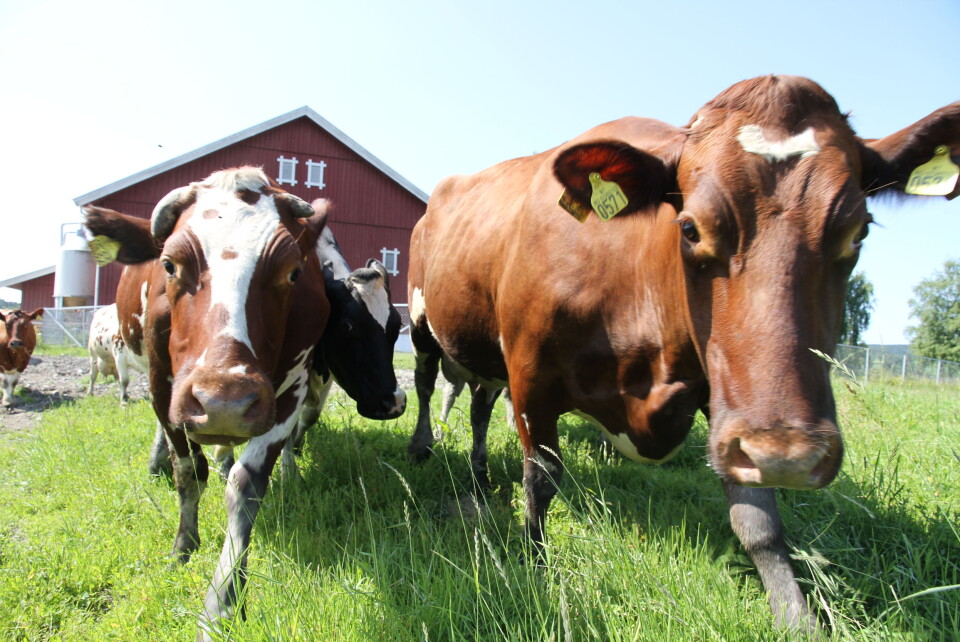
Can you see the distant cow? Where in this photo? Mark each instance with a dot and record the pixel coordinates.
(17, 341)
(108, 352)
(643, 271)
(233, 310)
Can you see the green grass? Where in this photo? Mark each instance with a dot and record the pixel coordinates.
(368, 547)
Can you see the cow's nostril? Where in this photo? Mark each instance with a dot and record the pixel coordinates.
(740, 463)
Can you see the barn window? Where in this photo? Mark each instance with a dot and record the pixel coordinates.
(390, 260)
(288, 171)
(315, 174)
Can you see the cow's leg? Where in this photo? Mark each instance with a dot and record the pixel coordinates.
(756, 521)
(190, 475)
(10, 380)
(245, 489)
(451, 390)
(316, 399)
(508, 408)
(536, 417)
(223, 455)
(123, 375)
(481, 407)
(160, 463)
(94, 371)
(425, 379)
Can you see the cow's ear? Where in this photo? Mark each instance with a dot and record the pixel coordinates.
(118, 237)
(889, 163)
(169, 209)
(3, 317)
(592, 170)
(36, 314)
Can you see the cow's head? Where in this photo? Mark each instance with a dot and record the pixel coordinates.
(18, 326)
(771, 186)
(357, 345)
(244, 295)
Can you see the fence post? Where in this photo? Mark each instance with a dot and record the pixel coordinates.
(866, 368)
(903, 370)
(939, 365)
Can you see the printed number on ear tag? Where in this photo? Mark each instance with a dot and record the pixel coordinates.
(936, 177)
(608, 199)
(104, 249)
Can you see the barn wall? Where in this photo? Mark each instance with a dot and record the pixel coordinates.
(370, 210)
(36, 293)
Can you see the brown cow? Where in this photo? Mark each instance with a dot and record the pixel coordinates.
(725, 267)
(17, 341)
(234, 309)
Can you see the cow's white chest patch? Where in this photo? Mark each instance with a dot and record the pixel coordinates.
(233, 235)
(623, 443)
(753, 140)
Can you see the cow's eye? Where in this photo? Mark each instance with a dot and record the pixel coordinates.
(862, 234)
(169, 267)
(294, 275)
(346, 326)
(689, 230)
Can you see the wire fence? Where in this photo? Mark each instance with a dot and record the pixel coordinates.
(71, 326)
(882, 363)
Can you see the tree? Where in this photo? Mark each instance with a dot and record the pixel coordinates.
(856, 309)
(936, 304)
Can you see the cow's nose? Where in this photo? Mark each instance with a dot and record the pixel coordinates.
(16, 343)
(798, 456)
(219, 407)
(396, 407)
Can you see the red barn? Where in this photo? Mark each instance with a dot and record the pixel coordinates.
(374, 208)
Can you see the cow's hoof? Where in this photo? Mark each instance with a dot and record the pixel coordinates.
(418, 454)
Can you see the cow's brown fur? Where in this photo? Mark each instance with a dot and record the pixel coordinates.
(709, 291)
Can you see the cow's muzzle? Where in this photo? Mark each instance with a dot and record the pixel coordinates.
(800, 456)
(386, 407)
(217, 407)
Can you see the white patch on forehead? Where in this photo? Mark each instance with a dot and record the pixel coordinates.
(374, 296)
(417, 306)
(240, 370)
(752, 139)
(242, 231)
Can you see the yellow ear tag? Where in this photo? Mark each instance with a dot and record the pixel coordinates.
(608, 199)
(104, 249)
(576, 210)
(936, 177)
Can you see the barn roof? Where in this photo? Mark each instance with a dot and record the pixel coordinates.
(29, 276)
(307, 112)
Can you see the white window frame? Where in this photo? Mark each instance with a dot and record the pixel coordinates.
(319, 184)
(289, 164)
(393, 263)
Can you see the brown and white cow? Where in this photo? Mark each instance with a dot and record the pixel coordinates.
(18, 338)
(725, 268)
(233, 311)
(108, 352)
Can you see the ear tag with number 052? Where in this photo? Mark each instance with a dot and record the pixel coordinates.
(608, 199)
(936, 177)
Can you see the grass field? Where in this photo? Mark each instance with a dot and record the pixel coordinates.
(368, 547)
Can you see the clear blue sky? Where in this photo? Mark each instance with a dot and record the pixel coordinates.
(95, 91)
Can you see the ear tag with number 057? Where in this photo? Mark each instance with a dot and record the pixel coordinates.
(608, 199)
(936, 177)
